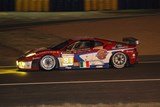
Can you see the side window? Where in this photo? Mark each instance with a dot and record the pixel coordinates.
(70, 46)
(97, 43)
(83, 44)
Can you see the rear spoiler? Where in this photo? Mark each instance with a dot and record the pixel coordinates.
(130, 40)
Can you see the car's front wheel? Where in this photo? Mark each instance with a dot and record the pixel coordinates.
(119, 60)
(48, 62)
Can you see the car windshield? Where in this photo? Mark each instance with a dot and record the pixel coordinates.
(59, 46)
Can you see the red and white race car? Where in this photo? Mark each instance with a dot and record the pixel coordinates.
(83, 53)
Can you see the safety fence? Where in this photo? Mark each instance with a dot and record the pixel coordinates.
(75, 5)
(32, 5)
(139, 4)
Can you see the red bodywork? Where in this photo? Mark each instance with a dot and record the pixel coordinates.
(110, 46)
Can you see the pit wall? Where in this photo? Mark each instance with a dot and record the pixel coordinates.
(76, 5)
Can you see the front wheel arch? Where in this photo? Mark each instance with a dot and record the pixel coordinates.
(55, 66)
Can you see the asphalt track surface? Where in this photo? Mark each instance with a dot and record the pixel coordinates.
(65, 20)
(136, 84)
(139, 83)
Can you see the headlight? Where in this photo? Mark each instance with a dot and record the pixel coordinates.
(31, 54)
(17, 63)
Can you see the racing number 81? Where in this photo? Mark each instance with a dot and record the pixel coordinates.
(67, 60)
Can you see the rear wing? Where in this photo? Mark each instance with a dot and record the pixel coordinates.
(131, 40)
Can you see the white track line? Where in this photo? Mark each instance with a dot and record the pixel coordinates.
(79, 82)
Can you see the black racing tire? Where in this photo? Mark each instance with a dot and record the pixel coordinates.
(119, 60)
(48, 62)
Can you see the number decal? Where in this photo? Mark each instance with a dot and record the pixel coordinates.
(67, 61)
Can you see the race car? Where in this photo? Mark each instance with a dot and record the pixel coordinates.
(85, 53)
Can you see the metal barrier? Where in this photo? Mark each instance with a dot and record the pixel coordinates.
(100, 5)
(32, 5)
(76, 5)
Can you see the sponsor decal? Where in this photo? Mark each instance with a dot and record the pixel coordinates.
(101, 54)
(99, 66)
(119, 46)
(68, 67)
(96, 62)
(85, 64)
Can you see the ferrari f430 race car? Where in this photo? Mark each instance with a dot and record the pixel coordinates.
(83, 53)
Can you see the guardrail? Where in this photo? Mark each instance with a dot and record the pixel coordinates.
(75, 5)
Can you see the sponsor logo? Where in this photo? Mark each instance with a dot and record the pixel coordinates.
(101, 54)
(99, 66)
(68, 67)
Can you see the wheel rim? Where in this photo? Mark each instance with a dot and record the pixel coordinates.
(119, 60)
(48, 62)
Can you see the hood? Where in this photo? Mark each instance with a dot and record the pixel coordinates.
(37, 50)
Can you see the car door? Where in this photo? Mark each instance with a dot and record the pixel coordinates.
(83, 53)
(78, 54)
(86, 54)
(101, 56)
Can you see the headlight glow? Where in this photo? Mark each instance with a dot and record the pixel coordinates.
(31, 54)
(17, 63)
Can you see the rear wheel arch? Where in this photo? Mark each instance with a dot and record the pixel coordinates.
(127, 63)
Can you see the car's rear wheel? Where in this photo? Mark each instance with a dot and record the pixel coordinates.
(48, 62)
(119, 60)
